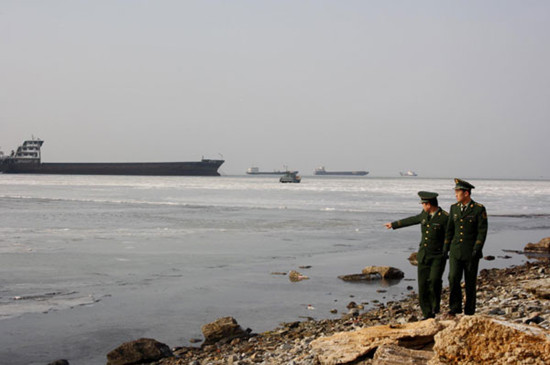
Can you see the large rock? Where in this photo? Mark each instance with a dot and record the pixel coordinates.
(397, 355)
(385, 272)
(540, 288)
(225, 328)
(345, 347)
(141, 351)
(486, 340)
(359, 277)
(542, 246)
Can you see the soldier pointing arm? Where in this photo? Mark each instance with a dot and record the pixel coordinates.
(431, 258)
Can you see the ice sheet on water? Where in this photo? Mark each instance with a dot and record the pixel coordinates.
(42, 303)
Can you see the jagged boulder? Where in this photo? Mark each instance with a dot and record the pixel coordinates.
(385, 272)
(345, 347)
(225, 328)
(486, 340)
(542, 246)
(144, 350)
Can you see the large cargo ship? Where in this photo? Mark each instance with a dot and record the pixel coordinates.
(322, 171)
(27, 160)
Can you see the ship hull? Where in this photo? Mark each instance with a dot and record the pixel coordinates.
(348, 173)
(200, 168)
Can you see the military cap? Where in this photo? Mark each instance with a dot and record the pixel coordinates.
(464, 185)
(427, 196)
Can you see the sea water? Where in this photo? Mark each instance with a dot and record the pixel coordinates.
(90, 262)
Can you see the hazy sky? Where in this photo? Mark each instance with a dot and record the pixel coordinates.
(445, 88)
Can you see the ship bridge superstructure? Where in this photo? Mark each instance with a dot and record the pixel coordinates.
(29, 151)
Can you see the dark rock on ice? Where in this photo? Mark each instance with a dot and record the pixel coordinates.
(144, 350)
(357, 277)
(374, 273)
(59, 362)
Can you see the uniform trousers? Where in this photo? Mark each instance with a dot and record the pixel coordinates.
(430, 271)
(456, 269)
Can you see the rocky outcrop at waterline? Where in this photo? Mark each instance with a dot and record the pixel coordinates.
(512, 325)
(511, 306)
(224, 329)
(543, 246)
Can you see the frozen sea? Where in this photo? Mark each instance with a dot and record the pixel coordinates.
(90, 262)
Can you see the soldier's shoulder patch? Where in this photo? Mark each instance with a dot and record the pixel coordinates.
(479, 205)
(444, 212)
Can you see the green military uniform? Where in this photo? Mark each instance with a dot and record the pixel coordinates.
(464, 239)
(431, 259)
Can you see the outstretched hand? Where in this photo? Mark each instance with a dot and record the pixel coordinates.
(388, 225)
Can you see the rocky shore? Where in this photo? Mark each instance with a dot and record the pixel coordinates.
(511, 326)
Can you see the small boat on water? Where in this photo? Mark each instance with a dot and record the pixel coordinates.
(322, 171)
(290, 177)
(27, 160)
(409, 173)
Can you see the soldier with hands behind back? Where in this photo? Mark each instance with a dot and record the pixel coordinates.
(464, 239)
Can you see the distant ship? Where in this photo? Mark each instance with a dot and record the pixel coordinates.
(321, 171)
(27, 160)
(408, 174)
(256, 171)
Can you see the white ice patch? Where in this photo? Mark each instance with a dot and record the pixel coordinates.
(43, 303)
(15, 248)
